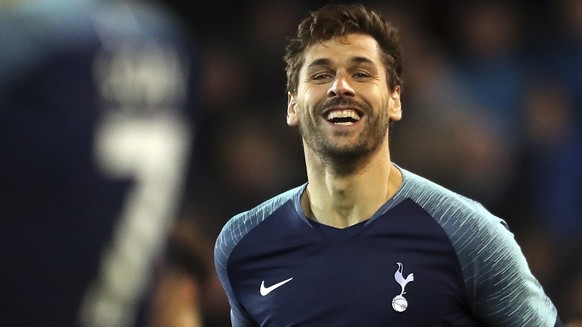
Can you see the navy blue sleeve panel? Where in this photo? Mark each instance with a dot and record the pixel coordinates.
(232, 233)
(89, 178)
(500, 286)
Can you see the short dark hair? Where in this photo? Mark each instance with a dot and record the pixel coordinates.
(340, 20)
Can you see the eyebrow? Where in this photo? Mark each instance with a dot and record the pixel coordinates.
(362, 60)
(327, 62)
(319, 62)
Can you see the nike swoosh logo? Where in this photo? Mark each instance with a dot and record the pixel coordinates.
(266, 290)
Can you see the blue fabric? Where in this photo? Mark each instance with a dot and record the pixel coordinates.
(466, 268)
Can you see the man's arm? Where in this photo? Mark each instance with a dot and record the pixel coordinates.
(224, 245)
(500, 284)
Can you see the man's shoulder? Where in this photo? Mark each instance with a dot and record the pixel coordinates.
(440, 201)
(265, 209)
(461, 218)
(241, 224)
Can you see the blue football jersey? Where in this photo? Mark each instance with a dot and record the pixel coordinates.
(95, 137)
(428, 257)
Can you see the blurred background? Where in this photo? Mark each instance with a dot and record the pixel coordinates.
(492, 109)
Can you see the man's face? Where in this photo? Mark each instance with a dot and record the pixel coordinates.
(343, 104)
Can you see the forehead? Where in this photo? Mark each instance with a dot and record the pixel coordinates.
(343, 49)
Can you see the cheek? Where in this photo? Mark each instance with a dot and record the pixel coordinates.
(307, 106)
(377, 94)
(313, 93)
(303, 114)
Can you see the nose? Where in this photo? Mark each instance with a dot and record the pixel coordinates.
(340, 87)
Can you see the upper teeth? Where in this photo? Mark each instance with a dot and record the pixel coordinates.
(343, 114)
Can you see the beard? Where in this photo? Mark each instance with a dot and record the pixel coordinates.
(340, 150)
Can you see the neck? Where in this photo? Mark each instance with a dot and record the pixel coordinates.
(341, 199)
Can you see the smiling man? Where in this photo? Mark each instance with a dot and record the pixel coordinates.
(365, 242)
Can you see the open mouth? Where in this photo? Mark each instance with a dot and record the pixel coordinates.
(343, 117)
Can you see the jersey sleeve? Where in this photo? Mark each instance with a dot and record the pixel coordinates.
(500, 288)
(225, 243)
(499, 283)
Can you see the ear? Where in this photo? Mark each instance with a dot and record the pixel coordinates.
(292, 119)
(394, 105)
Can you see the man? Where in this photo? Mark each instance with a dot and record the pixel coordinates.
(95, 137)
(364, 242)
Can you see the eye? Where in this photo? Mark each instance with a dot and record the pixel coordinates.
(361, 75)
(321, 77)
